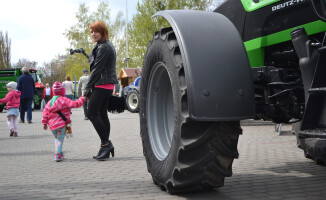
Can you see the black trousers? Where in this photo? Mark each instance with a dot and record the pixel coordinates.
(85, 108)
(47, 98)
(26, 105)
(97, 112)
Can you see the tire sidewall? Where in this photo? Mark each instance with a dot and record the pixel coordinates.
(161, 170)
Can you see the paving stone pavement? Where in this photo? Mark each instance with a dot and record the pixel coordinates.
(269, 166)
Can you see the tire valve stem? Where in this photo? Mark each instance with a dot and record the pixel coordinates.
(156, 89)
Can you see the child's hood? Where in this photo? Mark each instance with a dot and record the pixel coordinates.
(57, 105)
(16, 93)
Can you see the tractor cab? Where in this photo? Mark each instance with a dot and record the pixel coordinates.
(37, 79)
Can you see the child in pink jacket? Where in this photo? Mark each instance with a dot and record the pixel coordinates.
(52, 118)
(12, 100)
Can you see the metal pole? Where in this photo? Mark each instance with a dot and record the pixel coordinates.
(75, 89)
(127, 31)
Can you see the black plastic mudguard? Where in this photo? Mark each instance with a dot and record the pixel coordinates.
(218, 74)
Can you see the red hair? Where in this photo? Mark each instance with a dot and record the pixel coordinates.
(100, 27)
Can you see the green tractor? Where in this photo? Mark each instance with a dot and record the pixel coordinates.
(12, 74)
(249, 59)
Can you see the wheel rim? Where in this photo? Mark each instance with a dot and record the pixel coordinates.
(160, 111)
(133, 101)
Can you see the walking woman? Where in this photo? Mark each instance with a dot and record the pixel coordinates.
(68, 87)
(100, 86)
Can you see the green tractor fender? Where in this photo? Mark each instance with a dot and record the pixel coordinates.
(216, 66)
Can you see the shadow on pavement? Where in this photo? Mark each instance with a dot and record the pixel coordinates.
(256, 186)
(248, 186)
(306, 169)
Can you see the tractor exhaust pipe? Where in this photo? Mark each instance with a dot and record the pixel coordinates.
(299, 40)
(307, 57)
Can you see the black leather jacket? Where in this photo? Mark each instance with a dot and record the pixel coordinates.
(103, 70)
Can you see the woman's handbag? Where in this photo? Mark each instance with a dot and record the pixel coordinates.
(116, 104)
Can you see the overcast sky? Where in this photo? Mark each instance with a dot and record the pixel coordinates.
(36, 27)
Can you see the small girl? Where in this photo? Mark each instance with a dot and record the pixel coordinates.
(51, 116)
(12, 100)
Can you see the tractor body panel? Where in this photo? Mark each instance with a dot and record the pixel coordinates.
(270, 23)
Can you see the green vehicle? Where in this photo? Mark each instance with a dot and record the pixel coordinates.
(249, 59)
(12, 74)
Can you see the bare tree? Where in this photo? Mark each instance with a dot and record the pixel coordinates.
(45, 72)
(23, 62)
(58, 69)
(5, 50)
(53, 71)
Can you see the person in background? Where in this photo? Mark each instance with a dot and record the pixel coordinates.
(47, 93)
(12, 100)
(83, 80)
(26, 85)
(100, 86)
(68, 87)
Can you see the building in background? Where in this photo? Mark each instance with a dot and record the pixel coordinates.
(128, 75)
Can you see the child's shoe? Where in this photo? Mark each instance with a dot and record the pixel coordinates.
(15, 134)
(58, 157)
(12, 132)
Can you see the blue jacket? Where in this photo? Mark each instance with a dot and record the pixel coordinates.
(26, 86)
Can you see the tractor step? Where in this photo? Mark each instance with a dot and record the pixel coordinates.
(317, 133)
(315, 112)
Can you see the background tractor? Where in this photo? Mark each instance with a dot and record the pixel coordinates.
(131, 95)
(12, 74)
(249, 59)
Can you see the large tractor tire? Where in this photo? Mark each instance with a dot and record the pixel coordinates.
(182, 155)
(313, 148)
(132, 101)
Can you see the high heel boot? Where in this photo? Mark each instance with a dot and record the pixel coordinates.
(107, 149)
(99, 153)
